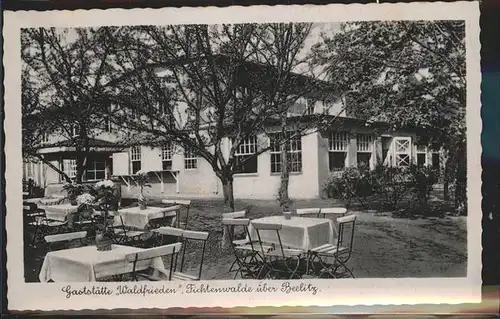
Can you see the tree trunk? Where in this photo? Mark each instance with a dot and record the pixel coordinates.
(228, 191)
(461, 180)
(283, 197)
(446, 178)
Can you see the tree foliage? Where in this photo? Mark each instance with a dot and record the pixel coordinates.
(409, 73)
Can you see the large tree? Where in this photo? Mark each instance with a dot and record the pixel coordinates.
(409, 73)
(300, 100)
(198, 85)
(64, 78)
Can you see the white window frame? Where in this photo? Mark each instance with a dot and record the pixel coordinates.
(364, 145)
(167, 152)
(247, 147)
(74, 130)
(69, 167)
(338, 142)
(294, 152)
(425, 151)
(94, 169)
(45, 138)
(190, 159)
(397, 153)
(135, 156)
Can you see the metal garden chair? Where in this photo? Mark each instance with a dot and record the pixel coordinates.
(308, 211)
(332, 212)
(280, 262)
(127, 235)
(33, 219)
(339, 253)
(189, 236)
(168, 232)
(182, 202)
(143, 259)
(246, 256)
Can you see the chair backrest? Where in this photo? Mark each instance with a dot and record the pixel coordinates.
(346, 235)
(183, 202)
(169, 231)
(196, 235)
(142, 258)
(236, 221)
(336, 211)
(238, 214)
(65, 237)
(188, 235)
(151, 253)
(308, 211)
(271, 227)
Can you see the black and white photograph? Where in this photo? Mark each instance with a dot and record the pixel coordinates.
(256, 151)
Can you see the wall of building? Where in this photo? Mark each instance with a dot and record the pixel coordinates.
(265, 185)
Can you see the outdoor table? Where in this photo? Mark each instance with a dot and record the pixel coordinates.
(303, 233)
(137, 218)
(59, 212)
(87, 264)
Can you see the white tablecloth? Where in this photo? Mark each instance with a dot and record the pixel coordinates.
(135, 217)
(59, 212)
(303, 233)
(86, 264)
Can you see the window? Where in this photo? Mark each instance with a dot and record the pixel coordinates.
(421, 156)
(74, 130)
(294, 153)
(337, 151)
(166, 157)
(246, 161)
(69, 167)
(435, 160)
(135, 158)
(364, 149)
(190, 159)
(45, 137)
(310, 107)
(403, 151)
(108, 126)
(96, 170)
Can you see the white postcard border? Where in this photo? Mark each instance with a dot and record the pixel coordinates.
(38, 296)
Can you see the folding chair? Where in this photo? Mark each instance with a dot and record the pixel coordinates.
(332, 211)
(33, 219)
(143, 259)
(181, 202)
(166, 220)
(127, 235)
(235, 215)
(277, 263)
(339, 253)
(171, 232)
(63, 241)
(243, 252)
(187, 236)
(308, 211)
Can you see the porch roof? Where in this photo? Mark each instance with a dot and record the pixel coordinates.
(96, 145)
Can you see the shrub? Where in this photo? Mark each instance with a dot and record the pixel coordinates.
(393, 183)
(422, 180)
(351, 183)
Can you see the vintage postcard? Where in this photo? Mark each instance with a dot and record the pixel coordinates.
(243, 156)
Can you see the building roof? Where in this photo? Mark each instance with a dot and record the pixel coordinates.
(93, 142)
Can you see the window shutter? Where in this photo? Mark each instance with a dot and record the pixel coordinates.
(121, 163)
(152, 159)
